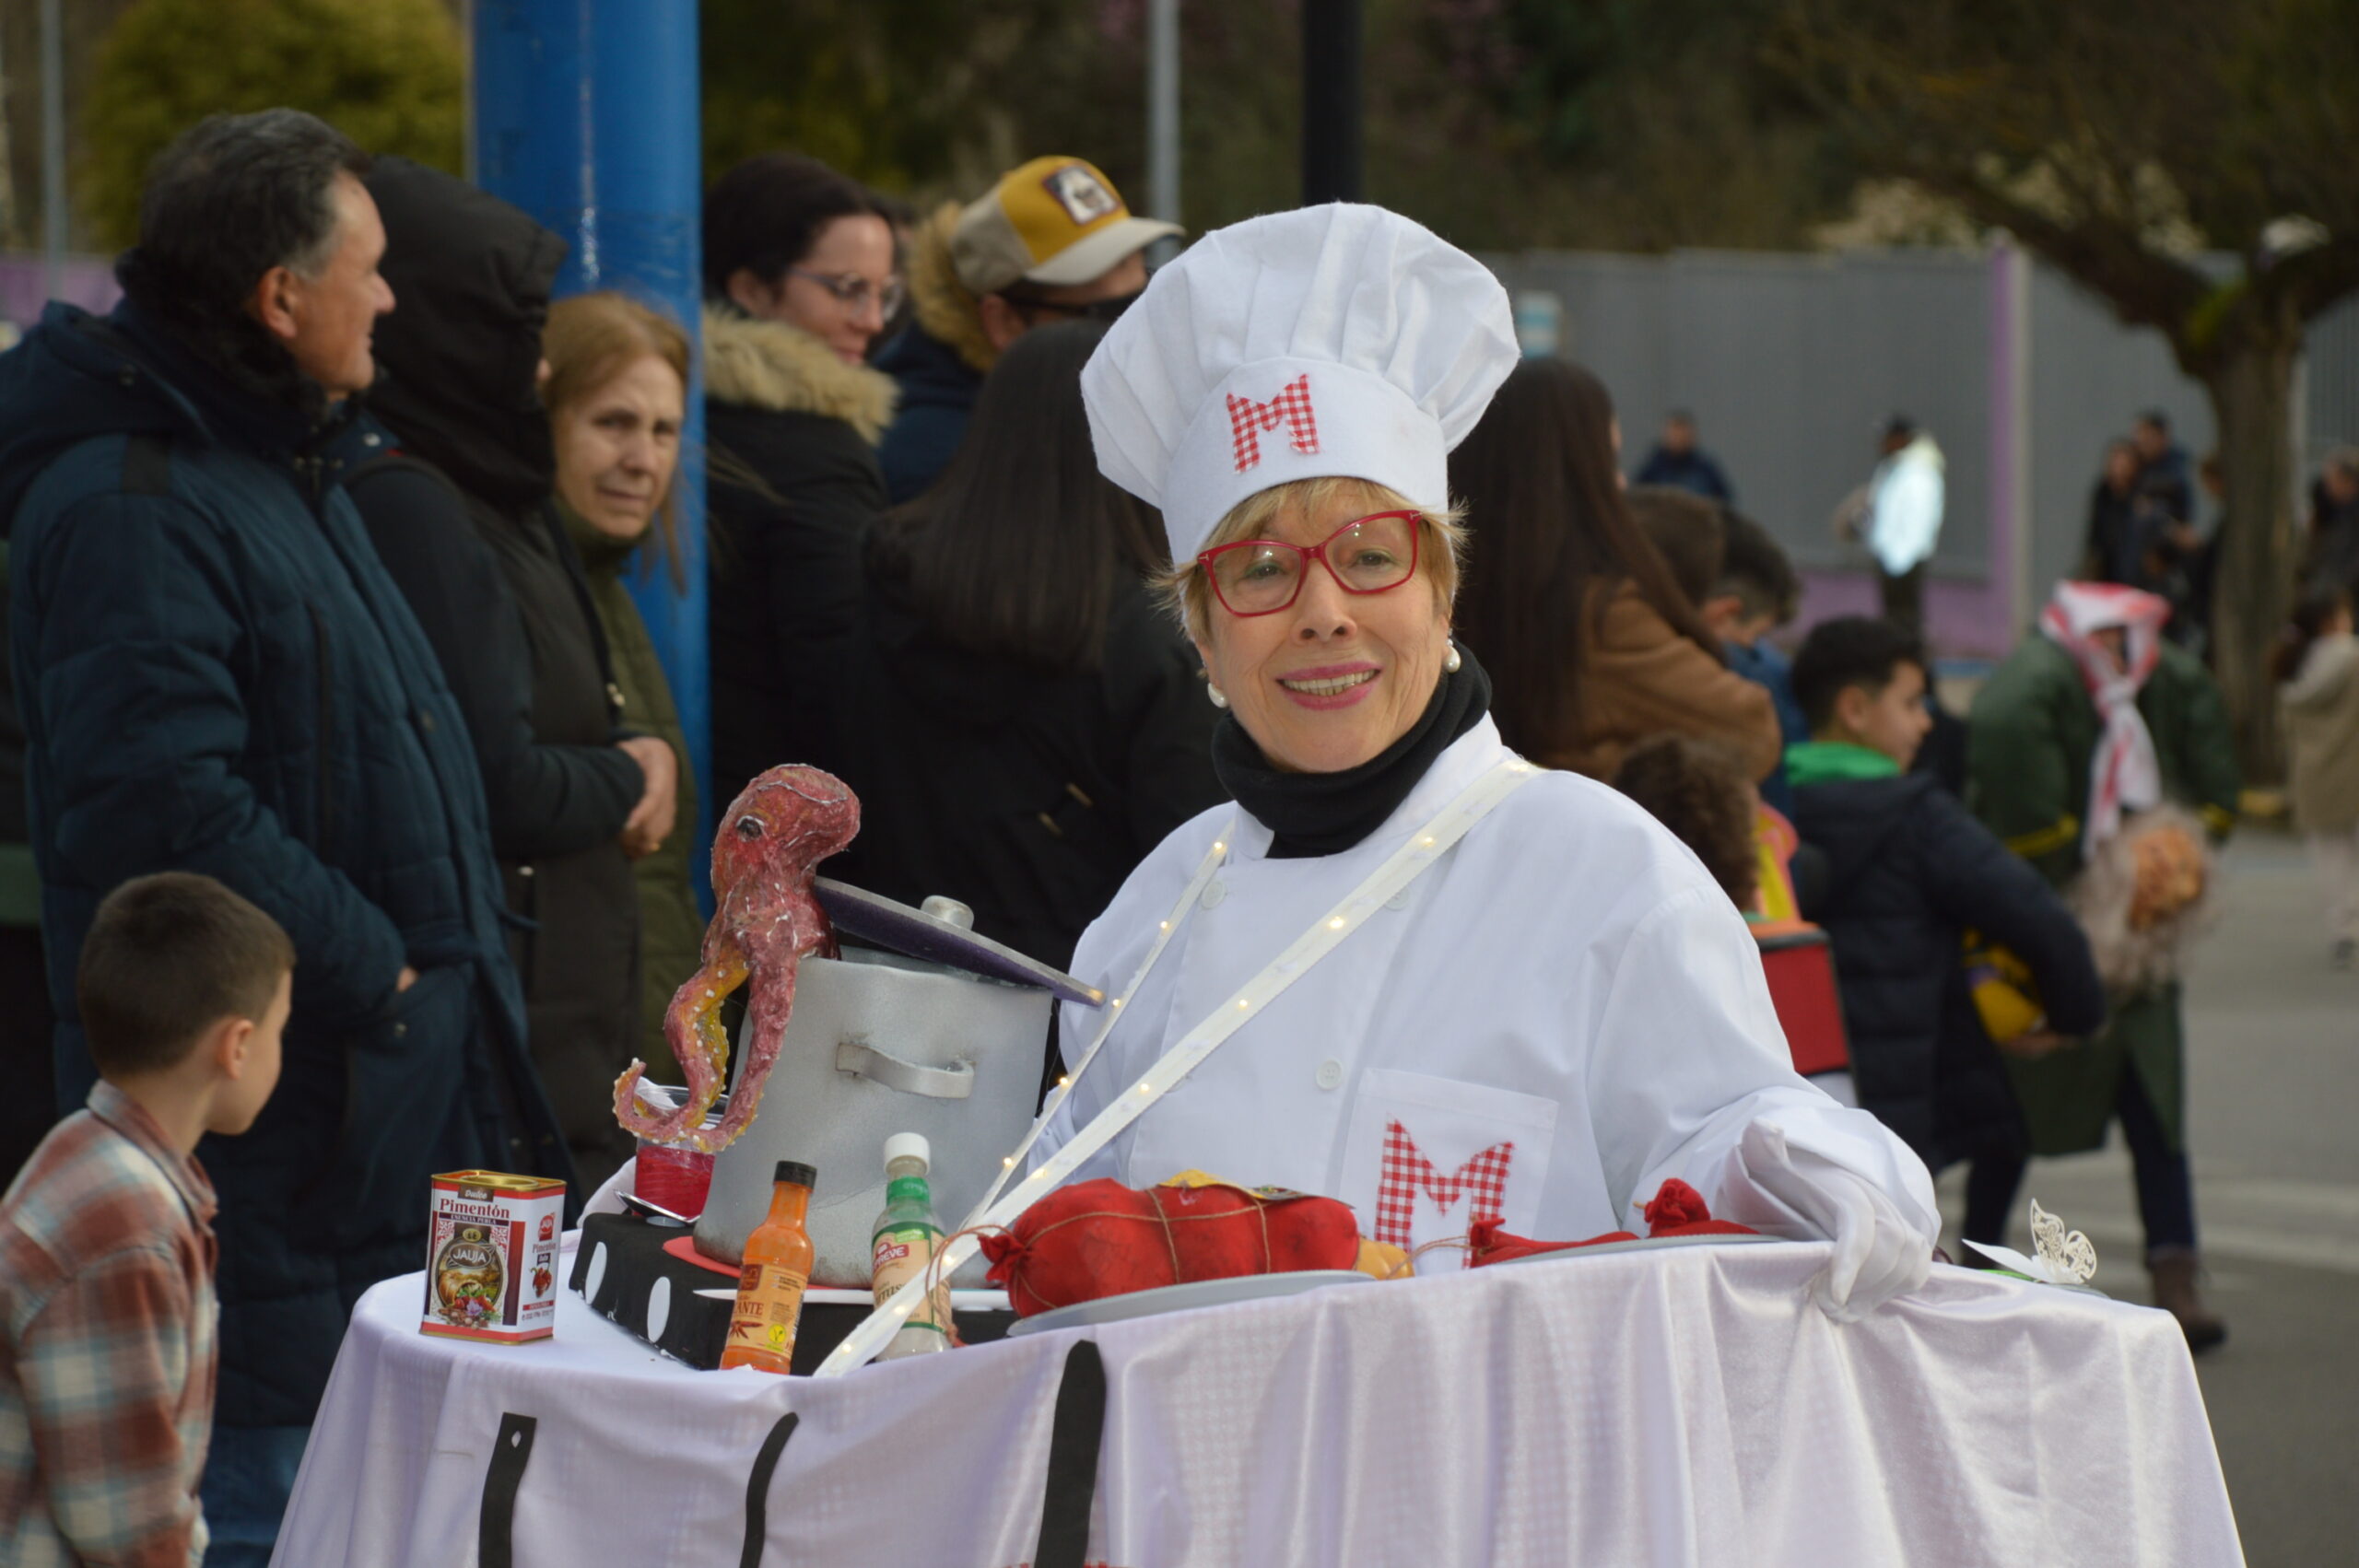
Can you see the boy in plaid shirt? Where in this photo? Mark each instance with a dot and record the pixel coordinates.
(107, 1308)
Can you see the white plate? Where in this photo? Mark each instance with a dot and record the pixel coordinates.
(1183, 1298)
(1644, 1243)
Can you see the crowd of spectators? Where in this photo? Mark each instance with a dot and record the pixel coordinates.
(316, 558)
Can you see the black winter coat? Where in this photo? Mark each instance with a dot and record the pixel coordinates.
(217, 675)
(462, 519)
(1028, 797)
(1910, 871)
(792, 431)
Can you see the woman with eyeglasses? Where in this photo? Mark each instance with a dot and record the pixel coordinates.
(1408, 969)
(799, 279)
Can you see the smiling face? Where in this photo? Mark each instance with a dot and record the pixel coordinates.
(326, 314)
(1331, 680)
(835, 292)
(617, 447)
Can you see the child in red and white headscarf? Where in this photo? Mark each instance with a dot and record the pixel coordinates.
(2102, 756)
(2114, 635)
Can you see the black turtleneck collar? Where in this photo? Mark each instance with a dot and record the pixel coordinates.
(1325, 813)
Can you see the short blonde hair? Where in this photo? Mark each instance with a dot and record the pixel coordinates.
(1187, 593)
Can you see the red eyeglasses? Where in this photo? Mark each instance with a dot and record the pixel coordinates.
(1367, 555)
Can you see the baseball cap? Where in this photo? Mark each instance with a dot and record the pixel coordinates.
(1054, 221)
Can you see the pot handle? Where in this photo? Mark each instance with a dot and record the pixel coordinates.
(953, 1082)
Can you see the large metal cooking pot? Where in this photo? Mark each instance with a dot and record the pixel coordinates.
(881, 1043)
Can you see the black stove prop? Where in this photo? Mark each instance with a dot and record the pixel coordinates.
(639, 1281)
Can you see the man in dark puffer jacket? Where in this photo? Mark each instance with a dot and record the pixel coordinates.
(1911, 871)
(217, 675)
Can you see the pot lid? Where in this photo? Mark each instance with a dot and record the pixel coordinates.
(920, 933)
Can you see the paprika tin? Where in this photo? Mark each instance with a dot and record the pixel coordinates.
(491, 1257)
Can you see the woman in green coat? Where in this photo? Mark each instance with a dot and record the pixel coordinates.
(617, 395)
(2035, 733)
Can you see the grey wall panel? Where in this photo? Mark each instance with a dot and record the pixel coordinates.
(1792, 363)
(2332, 367)
(2090, 378)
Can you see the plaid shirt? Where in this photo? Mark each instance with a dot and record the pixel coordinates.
(107, 1358)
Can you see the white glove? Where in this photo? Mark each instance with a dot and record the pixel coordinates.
(1880, 1252)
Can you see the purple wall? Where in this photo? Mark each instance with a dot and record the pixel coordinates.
(88, 282)
(1965, 619)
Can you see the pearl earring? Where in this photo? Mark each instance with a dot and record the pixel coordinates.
(1220, 697)
(1453, 662)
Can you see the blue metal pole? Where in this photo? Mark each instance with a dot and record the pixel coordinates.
(586, 116)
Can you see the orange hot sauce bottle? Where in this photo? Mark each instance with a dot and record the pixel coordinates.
(777, 1269)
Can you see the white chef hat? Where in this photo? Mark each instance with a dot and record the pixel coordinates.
(1330, 341)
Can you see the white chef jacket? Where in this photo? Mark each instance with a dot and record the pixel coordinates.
(1563, 1011)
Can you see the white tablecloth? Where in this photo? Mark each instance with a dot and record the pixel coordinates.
(1678, 1407)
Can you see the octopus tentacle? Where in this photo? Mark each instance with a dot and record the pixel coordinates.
(765, 1036)
(692, 1024)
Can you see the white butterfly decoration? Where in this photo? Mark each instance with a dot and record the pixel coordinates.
(2064, 1259)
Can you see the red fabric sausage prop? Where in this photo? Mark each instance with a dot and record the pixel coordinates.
(1100, 1238)
(1678, 1210)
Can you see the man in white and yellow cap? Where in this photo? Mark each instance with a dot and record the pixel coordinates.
(1051, 241)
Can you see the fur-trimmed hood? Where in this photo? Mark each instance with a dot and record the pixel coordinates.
(945, 310)
(777, 365)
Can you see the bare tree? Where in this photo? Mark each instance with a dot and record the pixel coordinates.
(2118, 138)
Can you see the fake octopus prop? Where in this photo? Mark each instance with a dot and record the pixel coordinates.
(767, 920)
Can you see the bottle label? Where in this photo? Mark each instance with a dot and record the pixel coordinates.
(901, 1256)
(770, 1300)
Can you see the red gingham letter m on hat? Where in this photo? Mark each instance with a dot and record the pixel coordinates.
(1331, 341)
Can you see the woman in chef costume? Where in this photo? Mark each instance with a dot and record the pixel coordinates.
(1439, 983)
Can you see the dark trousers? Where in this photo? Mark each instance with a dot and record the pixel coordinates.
(28, 1049)
(1903, 598)
(2166, 1187)
(249, 1477)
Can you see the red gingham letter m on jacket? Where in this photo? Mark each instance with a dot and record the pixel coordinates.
(1408, 1172)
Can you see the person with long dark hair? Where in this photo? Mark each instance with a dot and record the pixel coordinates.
(989, 673)
(1592, 645)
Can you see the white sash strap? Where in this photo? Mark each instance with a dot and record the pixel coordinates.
(1213, 860)
(1404, 867)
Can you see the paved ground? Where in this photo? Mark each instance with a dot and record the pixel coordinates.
(2275, 1038)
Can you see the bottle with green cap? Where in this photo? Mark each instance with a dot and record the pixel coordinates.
(907, 1234)
(777, 1272)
